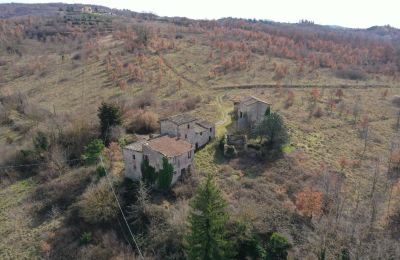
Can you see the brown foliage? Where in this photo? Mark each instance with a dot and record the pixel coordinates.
(145, 122)
(309, 202)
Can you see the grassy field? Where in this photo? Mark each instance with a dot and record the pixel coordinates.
(327, 148)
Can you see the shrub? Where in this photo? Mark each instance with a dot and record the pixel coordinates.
(93, 151)
(40, 141)
(351, 73)
(221, 144)
(75, 137)
(85, 238)
(191, 102)
(145, 122)
(277, 247)
(63, 191)
(165, 175)
(144, 100)
(97, 204)
(149, 173)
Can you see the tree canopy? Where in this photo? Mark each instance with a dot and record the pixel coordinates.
(110, 115)
(208, 218)
(272, 130)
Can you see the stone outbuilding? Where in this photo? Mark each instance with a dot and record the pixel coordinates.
(178, 152)
(87, 10)
(249, 111)
(186, 127)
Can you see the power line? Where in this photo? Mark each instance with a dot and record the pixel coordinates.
(120, 208)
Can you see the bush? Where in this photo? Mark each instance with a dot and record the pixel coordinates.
(144, 100)
(351, 73)
(277, 247)
(85, 238)
(93, 151)
(63, 191)
(144, 123)
(97, 204)
(74, 139)
(41, 142)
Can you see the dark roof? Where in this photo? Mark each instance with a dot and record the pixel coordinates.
(205, 124)
(180, 119)
(249, 100)
(136, 146)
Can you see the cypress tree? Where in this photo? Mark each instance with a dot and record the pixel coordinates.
(208, 218)
(109, 115)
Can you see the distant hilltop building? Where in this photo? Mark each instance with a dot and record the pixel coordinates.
(180, 136)
(87, 10)
(249, 111)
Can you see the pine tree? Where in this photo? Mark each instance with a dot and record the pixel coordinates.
(277, 247)
(208, 218)
(109, 115)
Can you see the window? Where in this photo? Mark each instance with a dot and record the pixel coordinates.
(189, 154)
(201, 133)
(134, 166)
(133, 157)
(210, 130)
(145, 157)
(188, 126)
(174, 173)
(241, 114)
(185, 136)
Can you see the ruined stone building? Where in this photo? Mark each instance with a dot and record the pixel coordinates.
(184, 126)
(180, 136)
(249, 111)
(178, 152)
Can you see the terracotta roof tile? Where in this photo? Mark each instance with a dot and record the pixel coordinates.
(169, 146)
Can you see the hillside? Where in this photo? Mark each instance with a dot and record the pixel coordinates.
(336, 88)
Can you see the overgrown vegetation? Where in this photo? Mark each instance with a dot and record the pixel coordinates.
(333, 191)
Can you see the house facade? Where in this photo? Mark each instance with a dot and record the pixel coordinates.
(186, 127)
(87, 10)
(249, 111)
(178, 152)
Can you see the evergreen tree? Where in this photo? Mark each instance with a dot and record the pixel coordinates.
(109, 115)
(277, 247)
(208, 218)
(41, 142)
(165, 175)
(273, 130)
(93, 151)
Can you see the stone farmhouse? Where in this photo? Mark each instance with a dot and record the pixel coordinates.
(180, 136)
(249, 111)
(186, 127)
(178, 152)
(87, 10)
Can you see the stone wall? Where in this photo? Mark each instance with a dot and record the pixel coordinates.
(133, 162)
